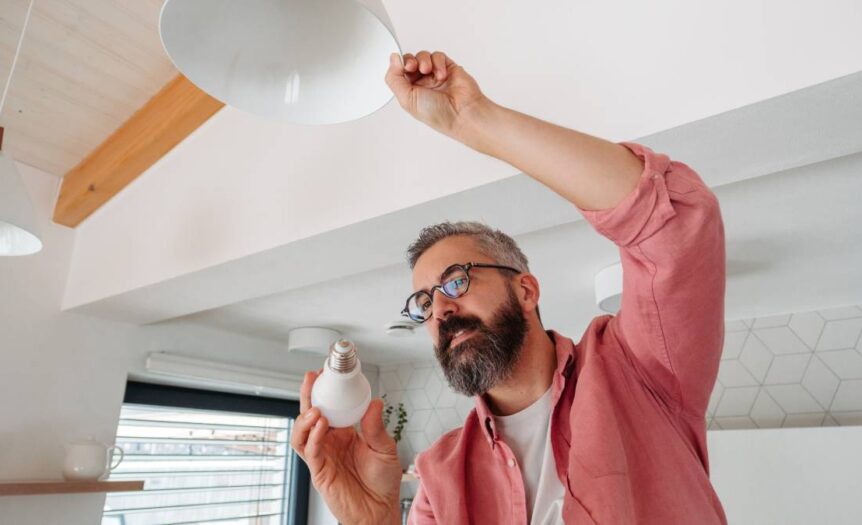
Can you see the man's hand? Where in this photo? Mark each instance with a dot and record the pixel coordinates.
(358, 475)
(434, 89)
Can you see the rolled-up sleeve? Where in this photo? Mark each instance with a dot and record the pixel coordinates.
(671, 239)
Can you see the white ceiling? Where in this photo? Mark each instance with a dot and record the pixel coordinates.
(246, 196)
(792, 239)
(85, 67)
(792, 235)
(243, 226)
(793, 244)
(807, 126)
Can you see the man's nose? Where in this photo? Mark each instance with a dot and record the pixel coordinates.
(442, 306)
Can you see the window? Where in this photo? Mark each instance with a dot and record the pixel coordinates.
(207, 458)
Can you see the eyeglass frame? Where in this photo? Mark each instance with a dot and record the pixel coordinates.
(466, 267)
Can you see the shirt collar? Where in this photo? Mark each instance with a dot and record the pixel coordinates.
(565, 350)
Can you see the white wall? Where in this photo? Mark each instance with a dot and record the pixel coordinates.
(788, 476)
(62, 375)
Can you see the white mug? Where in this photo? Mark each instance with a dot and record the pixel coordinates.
(89, 460)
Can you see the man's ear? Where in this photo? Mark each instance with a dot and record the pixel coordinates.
(528, 292)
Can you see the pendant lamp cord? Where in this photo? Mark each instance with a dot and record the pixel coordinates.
(15, 59)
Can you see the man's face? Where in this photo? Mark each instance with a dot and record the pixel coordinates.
(478, 336)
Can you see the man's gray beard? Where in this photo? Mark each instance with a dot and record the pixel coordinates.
(489, 356)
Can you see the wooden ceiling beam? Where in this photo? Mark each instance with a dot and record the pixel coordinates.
(163, 122)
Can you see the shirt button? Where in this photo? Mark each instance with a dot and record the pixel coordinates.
(511, 462)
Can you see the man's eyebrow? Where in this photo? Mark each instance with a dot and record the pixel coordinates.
(439, 279)
(445, 270)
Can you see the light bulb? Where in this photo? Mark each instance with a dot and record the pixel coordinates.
(341, 392)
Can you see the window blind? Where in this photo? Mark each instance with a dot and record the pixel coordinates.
(202, 466)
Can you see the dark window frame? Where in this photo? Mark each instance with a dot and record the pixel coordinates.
(141, 393)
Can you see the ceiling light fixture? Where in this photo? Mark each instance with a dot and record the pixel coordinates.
(306, 61)
(400, 328)
(17, 222)
(609, 288)
(312, 339)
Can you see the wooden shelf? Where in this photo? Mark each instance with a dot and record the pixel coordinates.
(55, 486)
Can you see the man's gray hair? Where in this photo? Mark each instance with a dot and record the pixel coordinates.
(501, 248)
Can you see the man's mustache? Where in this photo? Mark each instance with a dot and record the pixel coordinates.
(451, 326)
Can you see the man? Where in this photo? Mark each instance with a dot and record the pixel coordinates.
(609, 430)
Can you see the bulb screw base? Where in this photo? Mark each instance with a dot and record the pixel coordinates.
(342, 356)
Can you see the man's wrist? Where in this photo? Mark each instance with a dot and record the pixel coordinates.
(393, 517)
(473, 120)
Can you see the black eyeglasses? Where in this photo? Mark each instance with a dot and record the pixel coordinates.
(454, 282)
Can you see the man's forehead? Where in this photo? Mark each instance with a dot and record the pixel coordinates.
(459, 249)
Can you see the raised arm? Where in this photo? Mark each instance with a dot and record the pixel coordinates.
(591, 173)
(664, 219)
(671, 239)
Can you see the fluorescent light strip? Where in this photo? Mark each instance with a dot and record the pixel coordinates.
(196, 372)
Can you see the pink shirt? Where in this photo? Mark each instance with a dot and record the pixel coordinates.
(628, 425)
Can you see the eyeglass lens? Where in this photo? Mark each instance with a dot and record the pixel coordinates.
(454, 284)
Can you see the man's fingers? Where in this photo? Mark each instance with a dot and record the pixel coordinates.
(373, 429)
(305, 391)
(314, 446)
(397, 81)
(440, 60)
(301, 428)
(426, 66)
(411, 65)
(396, 64)
(423, 70)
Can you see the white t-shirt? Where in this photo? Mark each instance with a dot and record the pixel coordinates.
(527, 433)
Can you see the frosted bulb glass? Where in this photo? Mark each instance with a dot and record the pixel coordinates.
(341, 392)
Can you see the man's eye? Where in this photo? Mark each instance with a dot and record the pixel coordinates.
(455, 286)
(425, 305)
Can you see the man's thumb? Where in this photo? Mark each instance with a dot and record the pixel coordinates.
(397, 82)
(374, 431)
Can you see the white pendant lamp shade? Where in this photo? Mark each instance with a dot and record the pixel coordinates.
(17, 223)
(306, 61)
(609, 288)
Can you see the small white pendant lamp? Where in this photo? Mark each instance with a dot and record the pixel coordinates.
(305, 61)
(17, 222)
